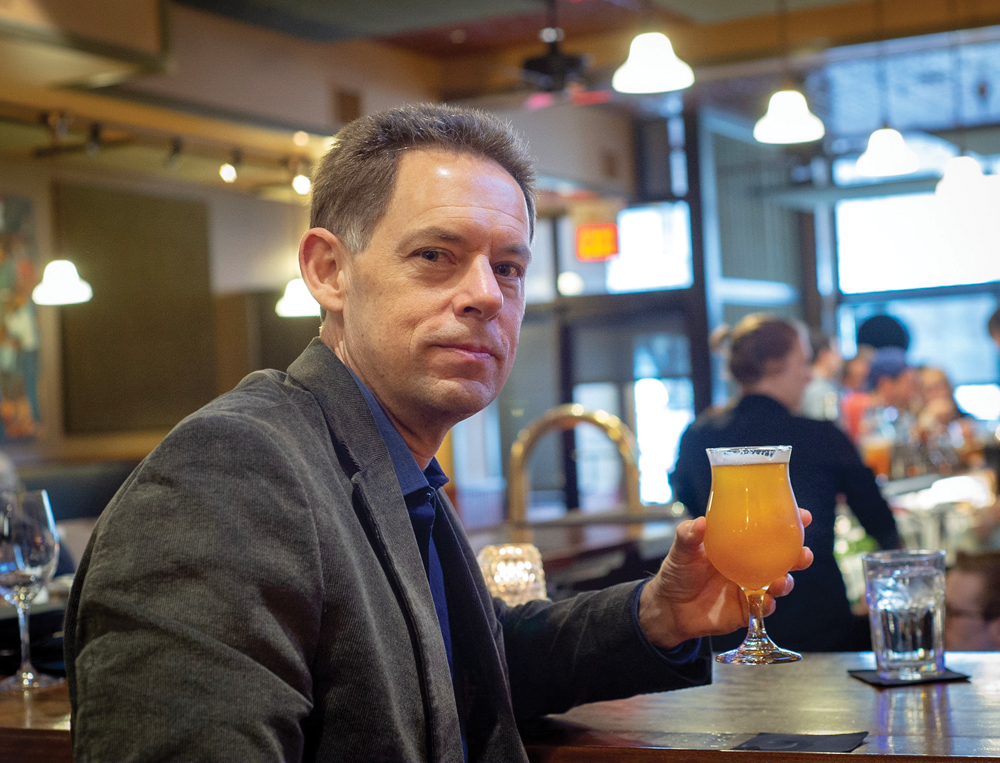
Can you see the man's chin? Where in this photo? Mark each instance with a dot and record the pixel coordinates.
(463, 397)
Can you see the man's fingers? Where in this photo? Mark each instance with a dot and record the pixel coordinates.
(690, 534)
(805, 559)
(781, 587)
(807, 517)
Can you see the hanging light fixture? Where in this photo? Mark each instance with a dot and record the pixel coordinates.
(788, 119)
(61, 285)
(652, 67)
(887, 154)
(962, 176)
(297, 302)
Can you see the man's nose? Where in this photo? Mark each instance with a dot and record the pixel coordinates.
(479, 293)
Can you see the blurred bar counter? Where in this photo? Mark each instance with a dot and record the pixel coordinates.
(926, 722)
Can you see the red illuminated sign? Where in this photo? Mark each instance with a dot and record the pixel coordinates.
(596, 242)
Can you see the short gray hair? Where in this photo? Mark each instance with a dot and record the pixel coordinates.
(356, 179)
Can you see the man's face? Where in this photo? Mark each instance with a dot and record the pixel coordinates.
(432, 308)
(965, 629)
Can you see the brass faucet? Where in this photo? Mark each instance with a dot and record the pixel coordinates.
(566, 417)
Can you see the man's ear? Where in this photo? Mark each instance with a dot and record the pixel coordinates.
(322, 258)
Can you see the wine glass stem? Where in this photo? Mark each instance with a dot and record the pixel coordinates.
(22, 622)
(756, 601)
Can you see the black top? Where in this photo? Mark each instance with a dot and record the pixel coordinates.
(816, 616)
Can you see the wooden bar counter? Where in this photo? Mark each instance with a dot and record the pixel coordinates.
(927, 722)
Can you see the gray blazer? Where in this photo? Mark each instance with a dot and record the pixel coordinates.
(254, 592)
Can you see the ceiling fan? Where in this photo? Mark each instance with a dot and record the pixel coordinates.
(558, 76)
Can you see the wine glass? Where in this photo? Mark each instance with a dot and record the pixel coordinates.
(29, 552)
(753, 535)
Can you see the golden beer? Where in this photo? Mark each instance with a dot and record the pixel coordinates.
(753, 535)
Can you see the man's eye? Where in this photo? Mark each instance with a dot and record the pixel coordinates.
(507, 270)
(431, 255)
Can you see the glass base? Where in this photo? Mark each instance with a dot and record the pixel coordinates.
(761, 653)
(27, 678)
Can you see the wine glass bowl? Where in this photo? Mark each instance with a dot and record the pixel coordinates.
(29, 553)
(753, 535)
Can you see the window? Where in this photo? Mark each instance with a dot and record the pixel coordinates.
(917, 241)
(654, 253)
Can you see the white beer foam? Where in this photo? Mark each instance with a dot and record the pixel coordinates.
(758, 454)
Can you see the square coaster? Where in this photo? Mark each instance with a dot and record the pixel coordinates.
(871, 677)
(804, 742)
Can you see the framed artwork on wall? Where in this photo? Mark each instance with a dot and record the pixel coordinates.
(19, 336)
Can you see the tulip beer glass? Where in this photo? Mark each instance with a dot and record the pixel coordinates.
(753, 535)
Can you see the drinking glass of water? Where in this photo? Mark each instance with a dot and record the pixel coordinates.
(29, 552)
(905, 595)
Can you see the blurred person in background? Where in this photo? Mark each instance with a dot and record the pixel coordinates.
(972, 603)
(822, 396)
(769, 360)
(993, 326)
(855, 385)
(887, 434)
(882, 331)
(943, 428)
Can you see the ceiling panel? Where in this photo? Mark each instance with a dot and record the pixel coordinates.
(716, 11)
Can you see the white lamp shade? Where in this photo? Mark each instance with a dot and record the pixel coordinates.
(962, 177)
(61, 285)
(887, 155)
(301, 184)
(297, 302)
(652, 67)
(788, 120)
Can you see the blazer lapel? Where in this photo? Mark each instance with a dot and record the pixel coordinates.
(382, 511)
(477, 640)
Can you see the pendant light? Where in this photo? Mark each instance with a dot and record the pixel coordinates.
(788, 119)
(297, 302)
(652, 67)
(962, 177)
(61, 285)
(887, 154)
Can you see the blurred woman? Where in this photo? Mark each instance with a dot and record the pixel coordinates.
(769, 360)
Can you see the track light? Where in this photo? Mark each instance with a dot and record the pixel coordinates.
(94, 139)
(174, 155)
(228, 170)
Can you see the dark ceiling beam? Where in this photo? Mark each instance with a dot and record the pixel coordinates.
(810, 30)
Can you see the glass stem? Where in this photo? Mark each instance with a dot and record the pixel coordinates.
(755, 631)
(22, 623)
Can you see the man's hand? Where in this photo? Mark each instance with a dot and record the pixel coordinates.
(690, 598)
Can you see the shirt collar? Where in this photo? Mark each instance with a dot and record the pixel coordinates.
(411, 479)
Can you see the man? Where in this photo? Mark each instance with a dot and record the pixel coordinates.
(972, 603)
(283, 577)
